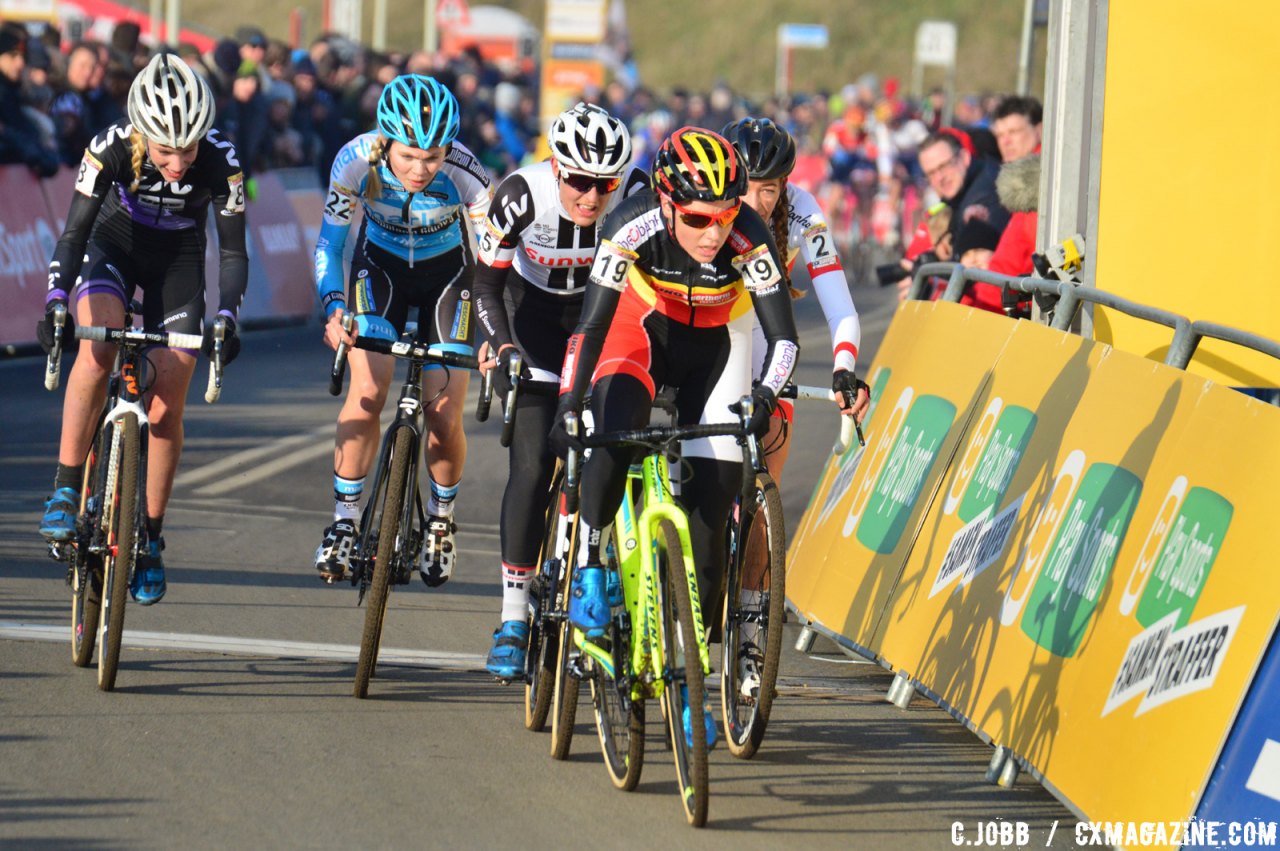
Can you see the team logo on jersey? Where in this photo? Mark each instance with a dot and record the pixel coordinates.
(235, 199)
(461, 329)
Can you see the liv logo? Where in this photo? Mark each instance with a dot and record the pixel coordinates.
(1080, 560)
(880, 511)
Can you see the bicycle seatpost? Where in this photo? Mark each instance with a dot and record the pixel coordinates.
(53, 370)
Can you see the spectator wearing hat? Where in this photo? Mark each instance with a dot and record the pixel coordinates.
(20, 140)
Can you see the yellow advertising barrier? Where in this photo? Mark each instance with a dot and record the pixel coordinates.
(850, 547)
(1077, 580)
(1183, 622)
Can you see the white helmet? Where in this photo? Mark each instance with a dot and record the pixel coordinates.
(590, 140)
(169, 103)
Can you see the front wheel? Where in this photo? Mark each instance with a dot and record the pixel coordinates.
(121, 523)
(389, 531)
(685, 687)
(753, 618)
(619, 715)
(543, 653)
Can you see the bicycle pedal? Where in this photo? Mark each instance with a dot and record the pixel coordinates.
(59, 551)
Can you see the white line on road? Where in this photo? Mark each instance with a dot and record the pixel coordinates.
(266, 471)
(272, 648)
(237, 460)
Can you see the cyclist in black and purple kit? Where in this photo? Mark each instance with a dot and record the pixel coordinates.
(142, 199)
(536, 249)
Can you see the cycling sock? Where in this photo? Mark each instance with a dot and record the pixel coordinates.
(515, 592)
(68, 477)
(591, 553)
(440, 503)
(346, 497)
(154, 526)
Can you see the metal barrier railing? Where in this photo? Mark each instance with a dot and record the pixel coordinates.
(1186, 334)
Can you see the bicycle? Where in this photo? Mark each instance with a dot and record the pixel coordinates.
(394, 520)
(755, 593)
(656, 646)
(102, 553)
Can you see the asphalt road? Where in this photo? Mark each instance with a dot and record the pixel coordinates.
(232, 724)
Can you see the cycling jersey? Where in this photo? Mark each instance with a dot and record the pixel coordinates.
(160, 224)
(528, 233)
(640, 256)
(809, 237)
(410, 225)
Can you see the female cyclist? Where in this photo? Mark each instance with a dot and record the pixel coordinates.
(137, 219)
(797, 223)
(799, 227)
(418, 189)
(673, 285)
(536, 248)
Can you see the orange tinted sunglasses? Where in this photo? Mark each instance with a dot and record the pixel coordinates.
(702, 221)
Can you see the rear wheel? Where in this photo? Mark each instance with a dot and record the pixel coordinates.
(685, 687)
(388, 520)
(753, 619)
(121, 519)
(86, 578)
(541, 657)
(619, 717)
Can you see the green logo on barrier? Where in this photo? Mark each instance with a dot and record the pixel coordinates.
(904, 473)
(999, 461)
(1080, 560)
(1186, 557)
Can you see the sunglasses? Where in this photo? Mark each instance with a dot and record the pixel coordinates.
(702, 221)
(584, 183)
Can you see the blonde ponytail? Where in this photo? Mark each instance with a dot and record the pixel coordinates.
(373, 185)
(139, 145)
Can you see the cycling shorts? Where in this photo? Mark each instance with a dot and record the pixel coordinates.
(383, 287)
(172, 283)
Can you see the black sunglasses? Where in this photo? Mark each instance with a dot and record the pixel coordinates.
(584, 183)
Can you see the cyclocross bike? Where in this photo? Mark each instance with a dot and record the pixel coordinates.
(393, 522)
(102, 553)
(656, 646)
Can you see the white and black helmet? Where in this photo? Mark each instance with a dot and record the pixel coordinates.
(169, 103)
(590, 140)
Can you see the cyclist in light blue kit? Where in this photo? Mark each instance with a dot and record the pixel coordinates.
(422, 195)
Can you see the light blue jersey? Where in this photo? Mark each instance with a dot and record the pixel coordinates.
(412, 226)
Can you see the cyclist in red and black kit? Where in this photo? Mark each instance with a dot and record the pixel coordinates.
(536, 249)
(137, 219)
(675, 278)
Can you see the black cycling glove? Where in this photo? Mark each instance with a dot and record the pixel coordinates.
(846, 386)
(44, 328)
(763, 402)
(559, 439)
(230, 342)
(502, 378)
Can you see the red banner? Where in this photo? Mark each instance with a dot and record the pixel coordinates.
(27, 235)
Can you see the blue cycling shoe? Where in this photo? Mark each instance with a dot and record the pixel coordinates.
(707, 719)
(59, 521)
(613, 588)
(148, 585)
(589, 601)
(506, 658)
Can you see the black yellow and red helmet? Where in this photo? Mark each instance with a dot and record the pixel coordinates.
(695, 164)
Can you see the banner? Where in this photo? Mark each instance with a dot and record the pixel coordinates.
(1074, 573)
(848, 552)
(28, 233)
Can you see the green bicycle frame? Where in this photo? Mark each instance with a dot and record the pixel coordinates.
(638, 569)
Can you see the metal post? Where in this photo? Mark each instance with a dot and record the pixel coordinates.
(804, 641)
(1028, 41)
(780, 68)
(173, 28)
(430, 38)
(901, 691)
(379, 25)
(996, 767)
(157, 20)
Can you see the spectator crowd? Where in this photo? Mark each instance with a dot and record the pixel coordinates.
(886, 169)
